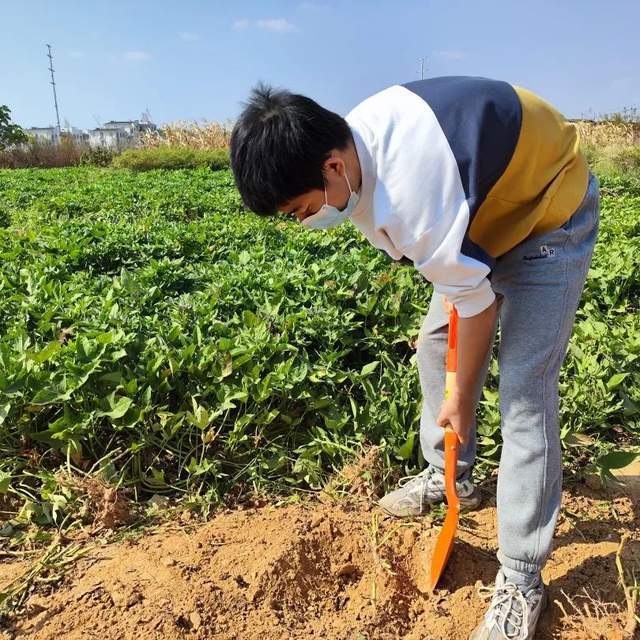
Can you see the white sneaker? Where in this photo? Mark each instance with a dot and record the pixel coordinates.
(513, 614)
(415, 494)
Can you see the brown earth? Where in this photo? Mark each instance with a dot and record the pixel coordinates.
(327, 569)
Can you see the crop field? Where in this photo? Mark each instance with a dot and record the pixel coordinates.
(164, 344)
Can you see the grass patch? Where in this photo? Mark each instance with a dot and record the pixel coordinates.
(172, 158)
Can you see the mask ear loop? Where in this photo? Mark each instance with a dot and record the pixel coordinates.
(326, 201)
(348, 183)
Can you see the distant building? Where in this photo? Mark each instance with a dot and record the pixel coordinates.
(44, 135)
(118, 134)
(115, 134)
(101, 137)
(79, 136)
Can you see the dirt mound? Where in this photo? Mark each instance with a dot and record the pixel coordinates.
(335, 571)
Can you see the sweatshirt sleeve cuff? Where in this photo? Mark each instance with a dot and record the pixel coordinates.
(470, 302)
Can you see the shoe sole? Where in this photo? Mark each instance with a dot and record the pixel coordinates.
(468, 503)
(471, 502)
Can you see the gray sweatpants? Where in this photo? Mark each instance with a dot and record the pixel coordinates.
(538, 285)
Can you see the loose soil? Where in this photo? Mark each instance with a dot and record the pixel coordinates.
(329, 569)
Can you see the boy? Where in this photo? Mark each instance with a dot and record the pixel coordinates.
(483, 187)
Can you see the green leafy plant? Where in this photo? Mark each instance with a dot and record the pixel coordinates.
(145, 159)
(98, 157)
(156, 333)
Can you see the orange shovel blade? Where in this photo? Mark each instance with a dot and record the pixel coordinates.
(444, 544)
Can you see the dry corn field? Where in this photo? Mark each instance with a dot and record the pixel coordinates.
(191, 134)
(215, 135)
(609, 133)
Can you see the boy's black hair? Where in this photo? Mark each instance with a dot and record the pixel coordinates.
(278, 147)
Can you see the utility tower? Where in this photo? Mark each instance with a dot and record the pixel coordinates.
(53, 84)
(422, 61)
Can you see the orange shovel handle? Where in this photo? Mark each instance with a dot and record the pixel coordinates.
(450, 437)
(444, 544)
(450, 466)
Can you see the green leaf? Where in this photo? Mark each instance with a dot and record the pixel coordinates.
(617, 459)
(52, 395)
(405, 450)
(630, 408)
(4, 411)
(120, 408)
(47, 353)
(5, 481)
(368, 369)
(125, 279)
(615, 380)
(574, 439)
(227, 366)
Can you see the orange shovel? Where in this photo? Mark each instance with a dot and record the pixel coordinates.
(447, 535)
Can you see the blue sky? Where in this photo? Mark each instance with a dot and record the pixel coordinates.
(197, 59)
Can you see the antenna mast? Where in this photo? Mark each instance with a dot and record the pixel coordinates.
(422, 61)
(53, 84)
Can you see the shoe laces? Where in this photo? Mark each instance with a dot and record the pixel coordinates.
(409, 481)
(504, 611)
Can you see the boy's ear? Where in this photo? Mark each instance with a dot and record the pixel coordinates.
(333, 165)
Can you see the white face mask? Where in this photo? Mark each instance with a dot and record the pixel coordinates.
(329, 216)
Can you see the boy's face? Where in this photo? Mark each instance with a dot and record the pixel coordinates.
(334, 168)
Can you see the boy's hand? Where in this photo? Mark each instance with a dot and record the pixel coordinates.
(457, 411)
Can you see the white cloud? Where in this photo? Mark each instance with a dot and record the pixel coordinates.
(280, 25)
(276, 24)
(188, 36)
(241, 24)
(449, 54)
(312, 6)
(137, 56)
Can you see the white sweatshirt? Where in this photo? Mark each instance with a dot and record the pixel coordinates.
(449, 181)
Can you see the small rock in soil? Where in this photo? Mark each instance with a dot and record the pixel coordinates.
(346, 569)
(196, 620)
